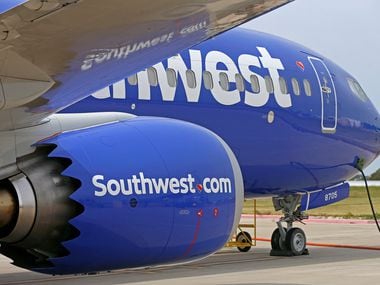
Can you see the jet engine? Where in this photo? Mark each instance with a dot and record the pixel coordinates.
(140, 192)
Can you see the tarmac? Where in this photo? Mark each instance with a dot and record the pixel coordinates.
(348, 252)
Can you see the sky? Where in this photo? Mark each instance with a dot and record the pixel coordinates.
(346, 31)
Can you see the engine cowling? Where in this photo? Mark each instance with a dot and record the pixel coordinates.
(140, 192)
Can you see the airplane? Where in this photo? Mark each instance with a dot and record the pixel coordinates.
(154, 168)
(300, 126)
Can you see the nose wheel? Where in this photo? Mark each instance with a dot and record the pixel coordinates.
(288, 241)
(296, 241)
(277, 243)
(293, 245)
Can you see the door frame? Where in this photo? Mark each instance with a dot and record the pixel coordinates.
(326, 130)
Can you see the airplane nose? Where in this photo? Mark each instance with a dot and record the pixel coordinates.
(377, 130)
(368, 115)
(372, 126)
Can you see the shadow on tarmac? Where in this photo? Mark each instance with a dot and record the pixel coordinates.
(226, 261)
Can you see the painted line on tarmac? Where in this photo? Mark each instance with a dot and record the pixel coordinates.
(332, 245)
(316, 220)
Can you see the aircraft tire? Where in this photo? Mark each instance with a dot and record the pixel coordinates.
(276, 241)
(296, 241)
(244, 237)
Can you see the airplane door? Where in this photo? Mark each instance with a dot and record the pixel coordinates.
(328, 96)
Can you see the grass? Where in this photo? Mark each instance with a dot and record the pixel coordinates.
(356, 206)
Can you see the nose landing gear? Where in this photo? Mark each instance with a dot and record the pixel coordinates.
(289, 241)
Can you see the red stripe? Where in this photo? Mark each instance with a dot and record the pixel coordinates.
(332, 245)
(196, 233)
(300, 65)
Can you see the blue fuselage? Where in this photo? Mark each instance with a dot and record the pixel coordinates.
(295, 120)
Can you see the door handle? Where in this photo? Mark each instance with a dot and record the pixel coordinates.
(326, 89)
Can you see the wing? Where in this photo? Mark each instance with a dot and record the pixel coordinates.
(55, 52)
(7, 5)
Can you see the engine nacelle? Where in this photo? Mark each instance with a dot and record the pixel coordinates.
(140, 192)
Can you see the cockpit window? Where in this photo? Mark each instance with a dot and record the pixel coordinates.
(357, 89)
